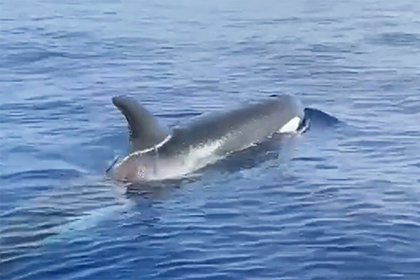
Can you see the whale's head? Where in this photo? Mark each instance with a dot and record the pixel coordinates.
(136, 167)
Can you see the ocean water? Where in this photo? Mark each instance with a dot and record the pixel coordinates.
(341, 201)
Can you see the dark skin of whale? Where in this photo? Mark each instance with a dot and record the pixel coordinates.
(144, 128)
(208, 138)
(236, 129)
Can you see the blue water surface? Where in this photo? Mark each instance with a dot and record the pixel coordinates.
(341, 201)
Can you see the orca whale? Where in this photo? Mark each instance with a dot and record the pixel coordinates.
(157, 154)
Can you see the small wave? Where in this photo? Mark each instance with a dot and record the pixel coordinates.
(396, 39)
(27, 57)
(42, 174)
(87, 221)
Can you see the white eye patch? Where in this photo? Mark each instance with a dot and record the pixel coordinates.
(290, 126)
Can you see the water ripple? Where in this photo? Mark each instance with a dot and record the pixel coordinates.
(339, 202)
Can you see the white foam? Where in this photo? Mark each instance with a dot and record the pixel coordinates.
(117, 164)
(154, 147)
(184, 164)
(88, 221)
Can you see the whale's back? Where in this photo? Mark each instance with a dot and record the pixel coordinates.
(210, 137)
(236, 129)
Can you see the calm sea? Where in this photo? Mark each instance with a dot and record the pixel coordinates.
(341, 201)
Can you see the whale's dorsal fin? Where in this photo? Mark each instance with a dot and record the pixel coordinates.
(144, 127)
